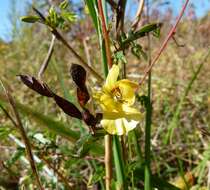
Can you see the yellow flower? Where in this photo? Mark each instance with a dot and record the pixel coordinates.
(116, 100)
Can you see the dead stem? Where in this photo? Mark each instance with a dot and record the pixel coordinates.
(47, 58)
(26, 141)
(138, 14)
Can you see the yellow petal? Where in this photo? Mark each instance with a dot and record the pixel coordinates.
(109, 126)
(130, 125)
(119, 126)
(112, 77)
(137, 116)
(107, 102)
(127, 89)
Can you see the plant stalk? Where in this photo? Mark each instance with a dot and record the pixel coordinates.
(147, 171)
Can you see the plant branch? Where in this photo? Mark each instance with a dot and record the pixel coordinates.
(105, 34)
(26, 141)
(47, 58)
(71, 49)
(162, 48)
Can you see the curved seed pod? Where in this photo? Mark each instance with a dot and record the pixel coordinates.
(78, 74)
(88, 118)
(82, 96)
(36, 85)
(67, 107)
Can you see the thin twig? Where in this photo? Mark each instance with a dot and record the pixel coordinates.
(26, 141)
(8, 115)
(71, 49)
(138, 14)
(105, 34)
(47, 58)
(169, 36)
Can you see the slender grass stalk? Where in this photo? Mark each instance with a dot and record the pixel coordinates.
(147, 172)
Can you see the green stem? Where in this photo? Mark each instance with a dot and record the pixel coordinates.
(147, 172)
(119, 164)
(137, 147)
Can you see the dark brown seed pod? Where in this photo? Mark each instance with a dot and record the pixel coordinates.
(78, 75)
(67, 107)
(36, 85)
(88, 118)
(82, 96)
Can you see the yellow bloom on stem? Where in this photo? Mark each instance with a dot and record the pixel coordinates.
(116, 100)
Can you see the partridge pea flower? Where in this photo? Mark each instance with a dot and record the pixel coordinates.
(116, 100)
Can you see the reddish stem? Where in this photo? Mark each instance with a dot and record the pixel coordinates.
(169, 36)
(105, 34)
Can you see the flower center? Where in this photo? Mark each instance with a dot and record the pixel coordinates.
(117, 95)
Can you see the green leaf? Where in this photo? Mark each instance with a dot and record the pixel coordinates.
(69, 16)
(162, 184)
(157, 182)
(30, 19)
(156, 33)
(91, 7)
(137, 51)
(16, 156)
(120, 57)
(52, 19)
(97, 175)
(142, 32)
(5, 131)
(64, 4)
(84, 144)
